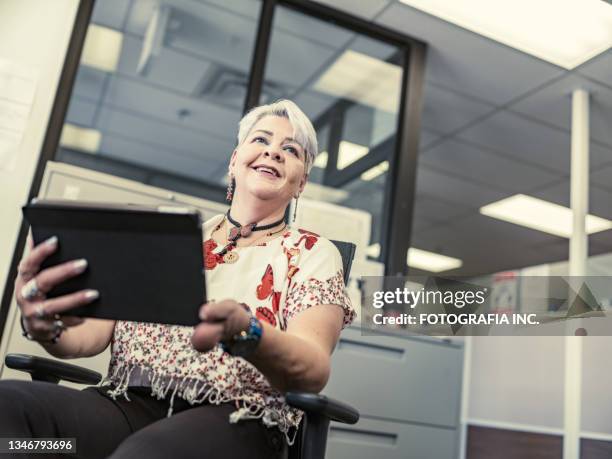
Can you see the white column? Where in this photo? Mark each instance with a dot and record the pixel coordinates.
(579, 182)
(577, 267)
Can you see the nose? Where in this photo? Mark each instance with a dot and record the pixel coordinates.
(274, 154)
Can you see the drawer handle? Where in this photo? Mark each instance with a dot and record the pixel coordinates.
(375, 349)
(365, 436)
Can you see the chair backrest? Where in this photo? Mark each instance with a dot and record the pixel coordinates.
(347, 251)
(313, 438)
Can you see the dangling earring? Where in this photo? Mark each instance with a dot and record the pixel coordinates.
(295, 207)
(230, 189)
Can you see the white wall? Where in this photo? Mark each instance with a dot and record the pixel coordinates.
(34, 33)
(517, 382)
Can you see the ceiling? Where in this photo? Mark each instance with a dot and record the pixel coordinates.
(496, 121)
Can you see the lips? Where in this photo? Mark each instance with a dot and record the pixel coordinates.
(271, 170)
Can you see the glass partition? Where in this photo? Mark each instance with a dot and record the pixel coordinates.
(349, 85)
(160, 90)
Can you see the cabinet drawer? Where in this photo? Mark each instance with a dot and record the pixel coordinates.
(63, 181)
(397, 378)
(372, 438)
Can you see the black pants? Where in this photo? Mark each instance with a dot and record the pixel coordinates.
(120, 429)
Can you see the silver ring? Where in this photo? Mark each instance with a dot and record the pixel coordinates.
(30, 289)
(58, 325)
(40, 311)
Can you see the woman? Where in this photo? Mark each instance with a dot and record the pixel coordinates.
(218, 388)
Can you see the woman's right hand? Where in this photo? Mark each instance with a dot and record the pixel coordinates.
(40, 315)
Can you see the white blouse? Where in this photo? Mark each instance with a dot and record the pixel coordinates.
(277, 280)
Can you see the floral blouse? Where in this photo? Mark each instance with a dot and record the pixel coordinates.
(277, 280)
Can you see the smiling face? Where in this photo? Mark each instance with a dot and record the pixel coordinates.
(269, 164)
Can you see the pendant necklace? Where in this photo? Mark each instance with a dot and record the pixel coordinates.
(230, 256)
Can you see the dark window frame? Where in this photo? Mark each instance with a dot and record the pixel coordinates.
(400, 187)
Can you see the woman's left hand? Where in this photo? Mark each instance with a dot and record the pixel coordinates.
(220, 322)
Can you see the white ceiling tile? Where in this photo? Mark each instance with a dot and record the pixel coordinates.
(603, 177)
(164, 136)
(481, 231)
(249, 8)
(599, 68)
(530, 141)
(374, 48)
(210, 118)
(469, 63)
(110, 14)
(434, 209)
(89, 83)
(446, 111)
(552, 104)
(427, 138)
(599, 199)
(454, 189)
(482, 166)
(292, 61)
(201, 29)
(311, 28)
(170, 69)
(313, 103)
(81, 112)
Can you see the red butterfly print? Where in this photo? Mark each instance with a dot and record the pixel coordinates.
(266, 315)
(264, 290)
(310, 240)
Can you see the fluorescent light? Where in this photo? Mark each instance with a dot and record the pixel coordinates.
(541, 215)
(363, 79)
(321, 160)
(430, 261)
(375, 171)
(373, 250)
(422, 259)
(349, 152)
(102, 48)
(79, 138)
(566, 33)
(318, 192)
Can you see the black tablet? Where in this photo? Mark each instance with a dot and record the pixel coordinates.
(147, 263)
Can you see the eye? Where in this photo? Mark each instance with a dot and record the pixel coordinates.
(260, 139)
(293, 151)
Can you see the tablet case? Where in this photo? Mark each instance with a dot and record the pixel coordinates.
(147, 263)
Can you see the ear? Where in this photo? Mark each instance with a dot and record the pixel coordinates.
(302, 183)
(232, 163)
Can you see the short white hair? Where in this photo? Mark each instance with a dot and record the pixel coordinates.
(303, 130)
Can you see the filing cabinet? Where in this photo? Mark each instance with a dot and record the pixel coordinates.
(408, 391)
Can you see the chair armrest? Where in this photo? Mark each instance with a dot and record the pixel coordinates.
(43, 369)
(322, 405)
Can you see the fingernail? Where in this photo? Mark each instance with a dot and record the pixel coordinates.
(92, 294)
(202, 313)
(80, 265)
(51, 241)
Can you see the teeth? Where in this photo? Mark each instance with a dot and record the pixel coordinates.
(266, 169)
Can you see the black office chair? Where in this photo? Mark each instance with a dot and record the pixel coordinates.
(311, 439)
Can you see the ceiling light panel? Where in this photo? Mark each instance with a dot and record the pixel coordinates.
(563, 32)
